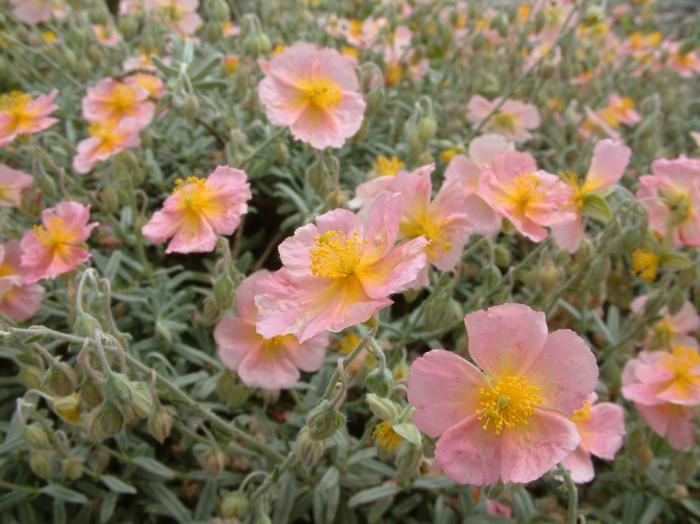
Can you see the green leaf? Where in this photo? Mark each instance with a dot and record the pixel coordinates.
(62, 493)
(675, 261)
(117, 485)
(154, 467)
(326, 497)
(597, 208)
(372, 494)
(169, 502)
(109, 503)
(207, 500)
(163, 67)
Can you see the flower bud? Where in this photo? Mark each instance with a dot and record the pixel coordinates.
(408, 460)
(47, 186)
(30, 377)
(85, 325)
(379, 382)
(427, 128)
(219, 10)
(143, 400)
(224, 290)
(324, 420)
(160, 423)
(190, 107)
(60, 379)
(109, 199)
(382, 408)
(90, 395)
(686, 466)
(41, 463)
(336, 199)
(308, 450)
(72, 467)
(105, 422)
(212, 461)
(36, 436)
(234, 505)
(68, 408)
(318, 179)
(119, 389)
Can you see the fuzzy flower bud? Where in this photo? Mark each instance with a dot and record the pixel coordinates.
(382, 408)
(234, 505)
(408, 460)
(308, 450)
(41, 463)
(36, 436)
(72, 467)
(119, 389)
(379, 382)
(143, 400)
(160, 423)
(232, 391)
(212, 461)
(324, 420)
(68, 408)
(60, 379)
(105, 422)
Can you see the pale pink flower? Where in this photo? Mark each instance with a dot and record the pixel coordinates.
(106, 35)
(32, 11)
(106, 139)
(315, 92)
(338, 272)
(12, 184)
(672, 197)
(151, 83)
(58, 245)
(272, 363)
(441, 221)
(18, 301)
(20, 115)
(665, 386)
(112, 100)
(463, 175)
(685, 64)
(602, 430)
(671, 330)
(511, 421)
(180, 15)
(528, 197)
(608, 164)
(513, 119)
(199, 209)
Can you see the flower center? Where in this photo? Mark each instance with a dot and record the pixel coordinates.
(107, 134)
(336, 254)
(194, 194)
(507, 403)
(275, 343)
(54, 234)
(645, 263)
(6, 270)
(504, 121)
(385, 436)
(15, 104)
(123, 100)
(682, 362)
(386, 166)
(321, 93)
(525, 192)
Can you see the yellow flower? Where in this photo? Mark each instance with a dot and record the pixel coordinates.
(645, 263)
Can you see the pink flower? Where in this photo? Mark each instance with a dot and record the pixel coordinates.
(106, 140)
(272, 363)
(314, 92)
(528, 197)
(151, 83)
(20, 115)
(111, 100)
(180, 15)
(18, 301)
(12, 184)
(57, 247)
(464, 173)
(199, 209)
(672, 198)
(602, 428)
(338, 272)
(608, 164)
(685, 64)
(671, 330)
(511, 421)
(441, 222)
(513, 119)
(664, 387)
(106, 35)
(32, 11)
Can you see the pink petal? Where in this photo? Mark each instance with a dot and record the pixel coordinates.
(580, 465)
(609, 162)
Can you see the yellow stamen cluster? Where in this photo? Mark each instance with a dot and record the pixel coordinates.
(645, 264)
(193, 193)
(107, 133)
(386, 166)
(336, 254)
(275, 343)
(321, 93)
(503, 121)
(683, 362)
(123, 100)
(15, 104)
(385, 436)
(524, 193)
(579, 190)
(507, 403)
(54, 233)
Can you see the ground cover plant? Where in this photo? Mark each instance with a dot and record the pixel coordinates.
(349, 261)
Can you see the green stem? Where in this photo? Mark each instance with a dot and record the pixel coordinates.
(572, 510)
(271, 478)
(263, 146)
